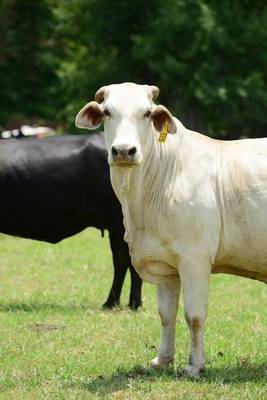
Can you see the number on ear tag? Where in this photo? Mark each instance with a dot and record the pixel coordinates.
(163, 134)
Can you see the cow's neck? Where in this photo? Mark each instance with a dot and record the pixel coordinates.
(145, 191)
(157, 180)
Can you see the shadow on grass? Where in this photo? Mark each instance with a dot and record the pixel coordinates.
(70, 308)
(36, 307)
(123, 379)
(231, 375)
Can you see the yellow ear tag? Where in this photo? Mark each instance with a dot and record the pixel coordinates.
(163, 134)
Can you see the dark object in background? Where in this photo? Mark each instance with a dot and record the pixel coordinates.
(55, 187)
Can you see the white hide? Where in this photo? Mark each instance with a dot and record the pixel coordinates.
(191, 206)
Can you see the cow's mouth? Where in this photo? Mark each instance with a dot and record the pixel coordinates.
(124, 163)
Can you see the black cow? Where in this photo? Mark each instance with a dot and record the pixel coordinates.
(55, 187)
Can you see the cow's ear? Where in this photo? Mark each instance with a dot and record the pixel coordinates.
(160, 116)
(90, 116)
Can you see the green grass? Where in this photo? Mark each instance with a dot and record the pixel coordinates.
(57, 343)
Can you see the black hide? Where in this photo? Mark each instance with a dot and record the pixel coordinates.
(55, 187)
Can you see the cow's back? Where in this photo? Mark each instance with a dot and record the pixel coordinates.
(55, 187)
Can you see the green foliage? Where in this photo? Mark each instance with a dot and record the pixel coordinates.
(27, 59)
(209, 58)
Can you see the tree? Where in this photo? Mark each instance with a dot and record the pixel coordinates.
(208, 57)
(27, 59)
(213, 59)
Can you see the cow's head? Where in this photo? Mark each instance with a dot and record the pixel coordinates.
(131, 118)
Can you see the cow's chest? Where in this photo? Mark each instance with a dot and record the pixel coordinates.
(154, 239)
(158, 230)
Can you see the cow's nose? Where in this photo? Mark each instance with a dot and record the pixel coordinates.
(132, 151)
(114, 151)
(123, 151)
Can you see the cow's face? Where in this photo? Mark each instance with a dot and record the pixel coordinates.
(130, 116)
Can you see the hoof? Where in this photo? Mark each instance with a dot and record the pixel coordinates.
(162, 363)
(134, 307)
(192, 372)
(110, 305)
(107, 306)
(134, 303)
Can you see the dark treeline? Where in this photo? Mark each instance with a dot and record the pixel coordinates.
(208, 57)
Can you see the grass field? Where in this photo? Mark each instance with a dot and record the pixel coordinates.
(57, 343)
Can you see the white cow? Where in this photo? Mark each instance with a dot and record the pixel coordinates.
(192, 205)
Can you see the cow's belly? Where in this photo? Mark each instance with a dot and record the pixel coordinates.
(238, 269)
(243, 247)
(243, 183)
(152, 258)
(245, 261)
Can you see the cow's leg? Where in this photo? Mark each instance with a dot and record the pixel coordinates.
(120, 257)
(135, 300)
(168, 297)
(195, 286)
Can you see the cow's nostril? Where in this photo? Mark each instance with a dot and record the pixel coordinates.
(114, 151)
(132, 151)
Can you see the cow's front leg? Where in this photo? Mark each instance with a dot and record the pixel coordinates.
(168, 297)
(195, 285)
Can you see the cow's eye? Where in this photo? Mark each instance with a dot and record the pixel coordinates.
(107, 113)
(147, 114)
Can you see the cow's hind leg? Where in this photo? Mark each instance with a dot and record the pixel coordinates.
(195, 285)
(168, 297)
(120, 259)
(135, 300)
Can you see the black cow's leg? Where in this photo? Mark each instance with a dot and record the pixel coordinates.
(135, 300)
(118, 247)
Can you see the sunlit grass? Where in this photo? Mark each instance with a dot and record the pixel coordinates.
(57, 343)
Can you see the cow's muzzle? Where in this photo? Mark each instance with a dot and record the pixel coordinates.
(124, 155)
